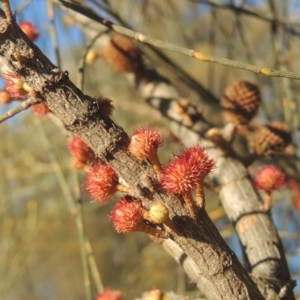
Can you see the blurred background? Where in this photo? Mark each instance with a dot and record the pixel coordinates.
(40, 240)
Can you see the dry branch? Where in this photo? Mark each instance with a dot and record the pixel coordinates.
(225, 278)
(259, 238)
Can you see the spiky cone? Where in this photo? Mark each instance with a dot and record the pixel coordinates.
(270, 139)
(128, 216)
(269, 178)
(201, 165)
(144, 144)
(102, 182)
(159, 214)
(240, 102)
(123, 55)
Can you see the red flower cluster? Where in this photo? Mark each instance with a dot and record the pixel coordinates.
(101, 181)
(269, 178)
(186, 170)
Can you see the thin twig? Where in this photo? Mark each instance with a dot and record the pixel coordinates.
(53, 33)
(7, 10)
(241, 10)
(14, 111)
(185, 51)
(79, 217)
(82, 63)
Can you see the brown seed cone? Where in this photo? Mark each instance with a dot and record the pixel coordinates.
(270, 139)
(241, 101)
(123, 55)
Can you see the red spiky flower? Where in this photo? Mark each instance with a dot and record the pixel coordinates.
(128, 216)
(80, 152)
(16, 86)
(144, 144)
(269, 178)
(30, 30)
(101, 181)
(187, 172)
(110, 294)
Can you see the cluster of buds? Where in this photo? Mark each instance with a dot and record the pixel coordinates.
(185, 173)
(269, 178)
(128, 215)
(110, 294)
(30, 30)
(241, 101)
(81, 153)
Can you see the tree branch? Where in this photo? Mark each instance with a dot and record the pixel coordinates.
(200, 240)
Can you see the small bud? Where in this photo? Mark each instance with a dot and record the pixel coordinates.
(91, 56)
(16, 86)
(5, 97)
(30, 30)
(80, 152)
(123, 55)
(40, 109)
(269, 178)
(159, 214)
(241, 101)
(128, 216)
(144, 144)
(109, 294)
